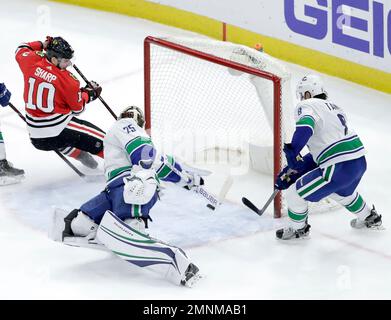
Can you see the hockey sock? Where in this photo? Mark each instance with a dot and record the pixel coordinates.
(297, 219)
(355, 204)
(297, 208)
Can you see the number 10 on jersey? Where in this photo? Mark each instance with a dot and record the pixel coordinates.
(47, 107)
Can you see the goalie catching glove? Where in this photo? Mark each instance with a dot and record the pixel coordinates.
(140, 187)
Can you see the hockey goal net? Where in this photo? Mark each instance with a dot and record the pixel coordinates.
(210, 100)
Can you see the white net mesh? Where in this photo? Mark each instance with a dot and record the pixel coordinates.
(205, 112)
(211, 106)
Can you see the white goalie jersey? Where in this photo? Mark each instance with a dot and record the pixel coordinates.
(333, 140)
(127, 145)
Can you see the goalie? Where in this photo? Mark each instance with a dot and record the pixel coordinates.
(334, 166)
(118, 216)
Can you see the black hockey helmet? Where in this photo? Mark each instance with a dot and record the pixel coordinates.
(59, 48)
(134, 113)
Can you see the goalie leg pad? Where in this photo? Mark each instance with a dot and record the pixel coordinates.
(60, 230)
(140, 249)
(57, 225)
(83, 226)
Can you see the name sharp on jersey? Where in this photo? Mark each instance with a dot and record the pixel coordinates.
(45, 75)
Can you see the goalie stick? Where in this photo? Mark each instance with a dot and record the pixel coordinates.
(213, 201)
(216, 202)
(254, 208)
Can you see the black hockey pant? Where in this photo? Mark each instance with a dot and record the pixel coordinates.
(77, 135)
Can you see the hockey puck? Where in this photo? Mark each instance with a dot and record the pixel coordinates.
(210, 206)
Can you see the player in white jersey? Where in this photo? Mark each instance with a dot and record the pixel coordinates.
(8, 174)
(333, 167)
(119, 215)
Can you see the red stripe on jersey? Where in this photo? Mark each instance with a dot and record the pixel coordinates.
(99, 134)
(75, 153)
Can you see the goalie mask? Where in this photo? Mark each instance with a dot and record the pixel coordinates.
(134, 113)
(312, 84)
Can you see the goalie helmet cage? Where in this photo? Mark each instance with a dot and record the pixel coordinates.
(176, 49)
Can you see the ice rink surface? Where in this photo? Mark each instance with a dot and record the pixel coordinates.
(235, 249)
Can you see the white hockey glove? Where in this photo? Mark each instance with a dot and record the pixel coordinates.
(140, 187)
(193, 180)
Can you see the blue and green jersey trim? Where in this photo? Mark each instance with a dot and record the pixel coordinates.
(342, 147)
(165, 169)
(117, 172)
(318, 183)
(306, 121)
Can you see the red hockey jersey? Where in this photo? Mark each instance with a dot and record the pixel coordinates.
(52, 95)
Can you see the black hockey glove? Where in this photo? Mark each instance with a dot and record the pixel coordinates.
(286, 178)
(93, 90)
(293, 158)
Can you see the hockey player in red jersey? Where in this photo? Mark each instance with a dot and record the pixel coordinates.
(53, 98)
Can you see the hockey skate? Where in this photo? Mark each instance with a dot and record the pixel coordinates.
(9, 174)
(373, 221)
(192, 275)
(290, 233)
(88, 160)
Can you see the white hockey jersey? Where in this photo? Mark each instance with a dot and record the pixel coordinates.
(124, 145)
(333, 140)
(127, 145)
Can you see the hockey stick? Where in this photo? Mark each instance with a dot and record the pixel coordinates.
(100, 98)
(214, 202)
(82, 175)
(252, 206)
(223, 192)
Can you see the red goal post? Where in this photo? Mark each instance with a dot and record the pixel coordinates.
(151, 43)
